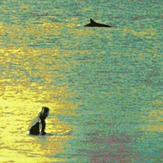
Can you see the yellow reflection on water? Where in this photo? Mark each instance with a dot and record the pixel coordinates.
(154, 121)
(143, 33)
(19, 105)
(17, 145)
(30, 33)
(22, 97)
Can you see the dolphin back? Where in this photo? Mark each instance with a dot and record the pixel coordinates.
(95, 24)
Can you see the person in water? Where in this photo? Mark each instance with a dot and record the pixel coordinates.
(39, 124)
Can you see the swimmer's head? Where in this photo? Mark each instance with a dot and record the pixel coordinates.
(45, 111)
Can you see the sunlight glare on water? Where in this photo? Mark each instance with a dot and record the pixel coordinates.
(21, 102)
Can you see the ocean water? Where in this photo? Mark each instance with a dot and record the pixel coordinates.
(103, 85)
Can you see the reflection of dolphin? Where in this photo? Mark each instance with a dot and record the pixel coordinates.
(94, 24)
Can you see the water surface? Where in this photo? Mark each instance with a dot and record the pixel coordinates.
(102, 85)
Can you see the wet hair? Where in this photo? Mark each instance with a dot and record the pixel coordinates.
(45, 109)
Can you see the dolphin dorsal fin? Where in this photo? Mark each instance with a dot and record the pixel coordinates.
(92, 21)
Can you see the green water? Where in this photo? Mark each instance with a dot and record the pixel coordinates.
(103, 84)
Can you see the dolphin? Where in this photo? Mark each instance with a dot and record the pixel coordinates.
(94, 24)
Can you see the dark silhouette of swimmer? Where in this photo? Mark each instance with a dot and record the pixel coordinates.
(95, 24)
(39, 123)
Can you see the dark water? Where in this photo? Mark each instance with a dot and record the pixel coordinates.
(103, 85)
